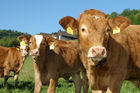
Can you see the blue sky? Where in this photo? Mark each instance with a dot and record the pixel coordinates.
(35, 16)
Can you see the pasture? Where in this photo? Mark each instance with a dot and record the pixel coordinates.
(26, 83)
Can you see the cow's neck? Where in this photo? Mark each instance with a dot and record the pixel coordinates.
(95, 73)
(117, 49)
(20, 55)
(40, 61)
(43, 53)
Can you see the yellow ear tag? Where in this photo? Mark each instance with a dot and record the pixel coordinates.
(69, 30)
(17, 49)
(116, 30)
(22, 43)
(52, 46)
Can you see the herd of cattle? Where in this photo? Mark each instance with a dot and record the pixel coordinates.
(107, 53)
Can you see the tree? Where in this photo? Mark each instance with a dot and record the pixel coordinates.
(113, 14)
(8, 38)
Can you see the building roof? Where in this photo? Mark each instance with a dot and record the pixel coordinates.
(62, 34)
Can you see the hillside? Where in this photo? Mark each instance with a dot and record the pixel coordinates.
(8, 38)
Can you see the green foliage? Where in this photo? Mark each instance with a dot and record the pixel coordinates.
(8, 38)
(133, 15)
(113, 14)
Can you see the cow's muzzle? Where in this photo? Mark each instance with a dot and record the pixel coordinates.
(97, 53)
(34, 52)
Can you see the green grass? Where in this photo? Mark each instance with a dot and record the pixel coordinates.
(26, 83)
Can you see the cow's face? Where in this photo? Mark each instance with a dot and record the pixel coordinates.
(93, 36)
(24, 45)
(94, 29)
(37, 42)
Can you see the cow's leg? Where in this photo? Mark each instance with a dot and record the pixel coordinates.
(6, 76)
(20, 67)
(1, 73)
(38, 83)
(5, 80)
(91, 79)
(52, 85)
(92, 83)
(117, 76)
(77, 82)
(16, 79)
(85, 82)
(97, 91)
(115, 85)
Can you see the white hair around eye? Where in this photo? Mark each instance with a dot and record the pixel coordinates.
(83, 27)
(84, 30)
(96, 17)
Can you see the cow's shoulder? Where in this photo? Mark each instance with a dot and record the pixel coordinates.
(3, 50)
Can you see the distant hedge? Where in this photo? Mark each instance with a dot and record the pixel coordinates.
(8, 38)
(133, 15)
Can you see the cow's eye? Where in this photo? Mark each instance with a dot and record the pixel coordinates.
(107, 29)
(30, 42)
(83, 30)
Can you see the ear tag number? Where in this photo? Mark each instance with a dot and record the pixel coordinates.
(17, 49)
(52, 46)
(69, 30)
(22, 44)
(116, 30)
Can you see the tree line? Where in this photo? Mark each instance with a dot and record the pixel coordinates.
(133, 15)
(8, 38)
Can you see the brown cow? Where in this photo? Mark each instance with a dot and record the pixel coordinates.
(61, 61)
(12, 59)
(108, 58)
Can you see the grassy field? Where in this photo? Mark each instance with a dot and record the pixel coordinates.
(26, 83)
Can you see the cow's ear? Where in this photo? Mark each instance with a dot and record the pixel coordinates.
(52, 43)
(23, 38)
(70, 24)
(118, 24)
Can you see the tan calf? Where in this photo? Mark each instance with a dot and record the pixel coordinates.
(12, 59)
(54, 59)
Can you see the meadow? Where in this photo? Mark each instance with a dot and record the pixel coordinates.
(26, 83)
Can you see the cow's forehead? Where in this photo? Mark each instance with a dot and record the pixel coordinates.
(95, 18)
(38, 39)
(96, 21)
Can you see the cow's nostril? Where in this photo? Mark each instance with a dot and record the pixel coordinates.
(37, 52)
(103, 52)
(93, 52)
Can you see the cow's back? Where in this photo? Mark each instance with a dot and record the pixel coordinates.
(12, 59)
(133, 32)
(3, 55)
